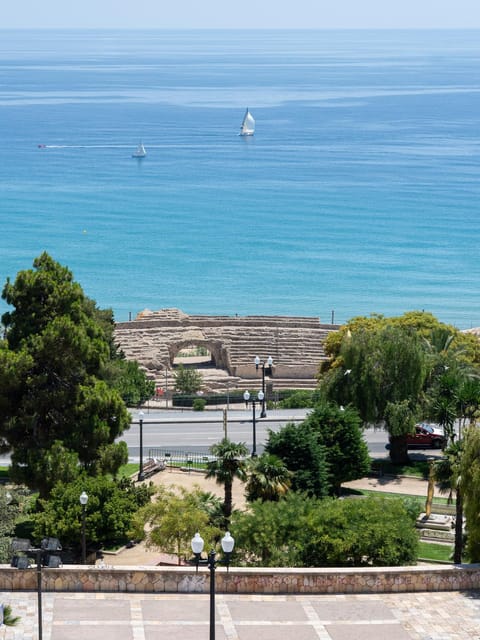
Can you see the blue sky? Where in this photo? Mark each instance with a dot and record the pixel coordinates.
(277, 14)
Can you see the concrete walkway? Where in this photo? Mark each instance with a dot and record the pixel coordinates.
(393, 484)
(114, 616)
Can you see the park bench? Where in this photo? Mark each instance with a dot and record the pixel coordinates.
(152, 466)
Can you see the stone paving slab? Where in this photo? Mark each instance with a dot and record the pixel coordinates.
(123, 616)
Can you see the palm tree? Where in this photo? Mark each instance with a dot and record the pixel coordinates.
(6, 617)
(230, 463)
(447, 474)
(268, 478)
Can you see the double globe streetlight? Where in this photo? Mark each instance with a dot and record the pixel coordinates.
(46, 554)
(83, 502)
(260, 398)
(197, 544)
(141, 475)
(266, 369)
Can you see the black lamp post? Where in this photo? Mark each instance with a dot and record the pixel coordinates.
(266, 368)
(246, 397)
(42, 554)
(141, 475)
(83, 502)
(197, 547)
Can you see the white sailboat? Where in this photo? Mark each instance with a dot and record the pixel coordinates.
(139, 151)
(248, 124)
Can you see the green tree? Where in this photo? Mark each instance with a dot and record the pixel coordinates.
(470, 487)
(302, 531)
(187, 380)
(268, 478)
(300, 450)
(109, 511)
(381, 371)
(171, 520)
(230, 463)
(373, 531)
(129, 380)
(339, 432)
(446, 471)
(270, 533)
(11, 507)
(55, 401)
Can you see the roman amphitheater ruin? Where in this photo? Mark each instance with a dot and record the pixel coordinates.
(229, 345)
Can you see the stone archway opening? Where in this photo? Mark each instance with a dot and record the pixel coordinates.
(194, 356)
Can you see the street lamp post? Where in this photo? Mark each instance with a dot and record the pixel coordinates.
(141, 475)
(197, 547)
(41, 554)
(83, 502)
(260, 397)
(266, 368)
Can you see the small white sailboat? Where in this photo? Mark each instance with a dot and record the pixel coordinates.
(139, 151)
(248, 124)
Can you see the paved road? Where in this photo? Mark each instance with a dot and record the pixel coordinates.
(119, 616)
(190, 431)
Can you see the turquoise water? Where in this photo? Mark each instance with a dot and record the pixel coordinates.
(359, 192)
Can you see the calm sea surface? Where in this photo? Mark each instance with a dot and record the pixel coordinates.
(359, 192)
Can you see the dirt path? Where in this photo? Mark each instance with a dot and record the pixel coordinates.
(139, 554)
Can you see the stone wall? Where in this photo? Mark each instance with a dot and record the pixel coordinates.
(295, 343)
(74, 578)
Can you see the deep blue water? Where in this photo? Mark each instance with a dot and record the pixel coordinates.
(359, 193)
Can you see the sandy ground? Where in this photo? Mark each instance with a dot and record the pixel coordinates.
(140, 555)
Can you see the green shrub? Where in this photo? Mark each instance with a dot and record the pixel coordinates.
(199, 404)
(302, 399)
(298, 531)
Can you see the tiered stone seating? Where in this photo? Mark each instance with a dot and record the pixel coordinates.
(295, 344)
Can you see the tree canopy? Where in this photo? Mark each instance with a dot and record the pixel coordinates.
(59, 413)
(339, 431)
(299, 448)
(302, 531)
(396, 371)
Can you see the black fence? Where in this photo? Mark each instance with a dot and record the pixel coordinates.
(222, 399)
(174, 458)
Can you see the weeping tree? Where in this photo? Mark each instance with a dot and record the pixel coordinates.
(381, 370)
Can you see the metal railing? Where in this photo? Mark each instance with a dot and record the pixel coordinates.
(175, 458)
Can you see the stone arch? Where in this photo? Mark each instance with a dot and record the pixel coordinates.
(219, 355)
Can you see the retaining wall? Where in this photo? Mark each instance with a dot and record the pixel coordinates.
(75, 578)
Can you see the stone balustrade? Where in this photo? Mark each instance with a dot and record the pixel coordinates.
(79, 578)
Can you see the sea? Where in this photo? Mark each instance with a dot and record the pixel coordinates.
(359, 192)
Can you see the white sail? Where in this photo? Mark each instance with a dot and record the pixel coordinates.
(139, 151)
(248, 124)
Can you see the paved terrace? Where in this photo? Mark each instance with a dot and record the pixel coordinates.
(115, 616)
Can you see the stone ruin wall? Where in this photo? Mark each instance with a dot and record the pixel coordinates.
(295, 343)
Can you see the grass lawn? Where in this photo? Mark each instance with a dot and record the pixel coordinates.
(387, 494)
(435, 552)
(416, 469)
(127, 470)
